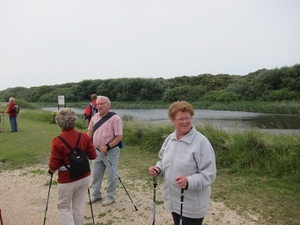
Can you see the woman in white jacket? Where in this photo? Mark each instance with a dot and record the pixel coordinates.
(187, 162)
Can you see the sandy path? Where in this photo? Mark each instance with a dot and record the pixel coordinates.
(23, 196)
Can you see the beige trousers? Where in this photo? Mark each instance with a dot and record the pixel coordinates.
(71, 201)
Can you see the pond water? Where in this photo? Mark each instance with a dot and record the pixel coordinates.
(228, 120)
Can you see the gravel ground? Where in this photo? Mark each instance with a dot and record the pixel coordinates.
(23, 197)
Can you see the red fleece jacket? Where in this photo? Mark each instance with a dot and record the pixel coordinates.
(10, 108)
(59, 151)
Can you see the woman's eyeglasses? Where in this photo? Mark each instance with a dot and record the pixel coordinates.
(187, 119)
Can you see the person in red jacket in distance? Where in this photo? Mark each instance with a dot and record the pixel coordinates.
(91, 109)
(12, 115)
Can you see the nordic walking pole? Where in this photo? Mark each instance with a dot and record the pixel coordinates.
(154, 198)
(181, 205)
(46, 210)
(89, 194)
(120, 180)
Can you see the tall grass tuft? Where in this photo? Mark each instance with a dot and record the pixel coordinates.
(147, 136)
(38, 115)
(262, 154)
(285, 160)
(250, 150)
(220, 140)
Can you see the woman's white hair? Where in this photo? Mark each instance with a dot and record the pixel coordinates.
(11, 99)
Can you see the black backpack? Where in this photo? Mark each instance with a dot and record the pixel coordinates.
(78, 159)
(16, 109)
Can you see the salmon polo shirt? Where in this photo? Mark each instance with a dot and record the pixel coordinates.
(107, 131)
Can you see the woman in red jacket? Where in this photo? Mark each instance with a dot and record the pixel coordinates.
(12, 115)
(71, 193)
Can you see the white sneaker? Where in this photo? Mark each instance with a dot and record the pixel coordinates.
(93, 200)
(108, 201)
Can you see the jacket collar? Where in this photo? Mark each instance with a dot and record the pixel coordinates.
(188, 138)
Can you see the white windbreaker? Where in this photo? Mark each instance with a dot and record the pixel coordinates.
(193, 157)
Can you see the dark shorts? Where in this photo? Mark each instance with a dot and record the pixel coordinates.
(185, 220)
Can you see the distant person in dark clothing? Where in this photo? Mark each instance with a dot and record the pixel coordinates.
(12, 115)
(91, 109)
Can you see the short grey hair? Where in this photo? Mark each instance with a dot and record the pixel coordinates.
(66, 118)
(104, 97)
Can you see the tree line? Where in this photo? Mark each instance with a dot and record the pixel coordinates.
(279, 84)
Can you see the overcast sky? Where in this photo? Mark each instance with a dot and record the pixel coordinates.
(46, 42)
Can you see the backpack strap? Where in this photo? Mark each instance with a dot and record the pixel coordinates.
(69, 147)
(66, 144)
(103, 120)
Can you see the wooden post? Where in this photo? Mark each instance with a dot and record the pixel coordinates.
(2, 121)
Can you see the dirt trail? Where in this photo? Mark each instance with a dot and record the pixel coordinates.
(23, 196)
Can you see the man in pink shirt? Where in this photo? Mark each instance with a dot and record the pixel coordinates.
(106, 139)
